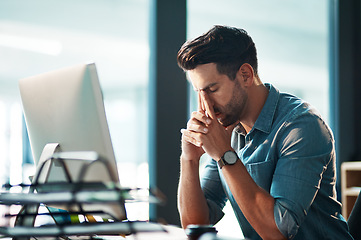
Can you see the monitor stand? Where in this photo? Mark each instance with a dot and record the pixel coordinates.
(48, 151)
(27, 214)
(52, 158)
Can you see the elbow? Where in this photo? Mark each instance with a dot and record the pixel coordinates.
(191, 215)
(185, 224)
(193, 219)
(272, 233)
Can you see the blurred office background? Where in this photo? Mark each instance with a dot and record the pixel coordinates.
(295, 41)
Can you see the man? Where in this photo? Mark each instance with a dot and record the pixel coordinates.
(271, 154)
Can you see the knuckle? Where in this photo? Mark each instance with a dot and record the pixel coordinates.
(200, 128)
(190, 126)
(201, 137)
(194, 114)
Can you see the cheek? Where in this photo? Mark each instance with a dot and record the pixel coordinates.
(222, 99)
(219, 102)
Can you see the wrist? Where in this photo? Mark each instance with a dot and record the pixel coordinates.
(230, 157)
(221, 153)
(189, 167)
(185, 158)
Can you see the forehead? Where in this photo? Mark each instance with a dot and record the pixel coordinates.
(205, 75)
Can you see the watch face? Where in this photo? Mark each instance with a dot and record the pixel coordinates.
(230, 157)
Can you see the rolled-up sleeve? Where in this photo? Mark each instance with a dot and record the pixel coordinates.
(307, 150)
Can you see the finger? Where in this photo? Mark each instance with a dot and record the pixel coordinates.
(187, 137)
(200, 103)
(207, 107)
(231, 127)
(195, 127)
(199, 118)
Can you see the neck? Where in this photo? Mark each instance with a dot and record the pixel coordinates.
(257, 96)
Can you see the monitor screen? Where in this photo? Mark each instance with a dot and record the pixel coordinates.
(66, 107)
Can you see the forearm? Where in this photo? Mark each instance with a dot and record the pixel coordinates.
(192, 204)
(256, 204)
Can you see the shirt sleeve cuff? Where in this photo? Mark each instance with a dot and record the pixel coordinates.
(285, 221)
(215, 212)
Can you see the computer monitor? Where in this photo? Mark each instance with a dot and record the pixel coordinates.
(66, 107)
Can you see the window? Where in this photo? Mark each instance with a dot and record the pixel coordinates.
(43, 35)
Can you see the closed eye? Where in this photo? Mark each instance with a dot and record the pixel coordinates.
(213, 90)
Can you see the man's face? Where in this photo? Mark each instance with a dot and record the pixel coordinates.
(228, 98)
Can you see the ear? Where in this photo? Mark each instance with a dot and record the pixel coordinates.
(246, 74)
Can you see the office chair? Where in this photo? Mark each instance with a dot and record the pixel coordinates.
(354, 220)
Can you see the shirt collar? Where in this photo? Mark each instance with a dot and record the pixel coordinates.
(265, 118)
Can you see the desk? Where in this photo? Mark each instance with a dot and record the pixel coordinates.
(173, 233)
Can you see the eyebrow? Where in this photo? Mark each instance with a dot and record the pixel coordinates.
(206, 88)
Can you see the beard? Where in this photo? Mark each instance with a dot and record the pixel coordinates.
(233, 110)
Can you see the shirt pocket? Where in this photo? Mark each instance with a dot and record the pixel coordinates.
(262, 173)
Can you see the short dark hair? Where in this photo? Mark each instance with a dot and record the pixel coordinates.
(227, 47)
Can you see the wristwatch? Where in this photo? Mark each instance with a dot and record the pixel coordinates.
(228, 158)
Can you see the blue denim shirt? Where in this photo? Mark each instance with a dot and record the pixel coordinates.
(290, 153)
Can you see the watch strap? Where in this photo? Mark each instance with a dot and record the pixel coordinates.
(221, 163)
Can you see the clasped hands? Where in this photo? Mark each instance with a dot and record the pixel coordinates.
(204, 133)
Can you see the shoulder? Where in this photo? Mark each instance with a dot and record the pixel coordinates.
(302, 126)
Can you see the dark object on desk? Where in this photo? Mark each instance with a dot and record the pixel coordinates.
(354, 220)
(193, 232)
(213, 236)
